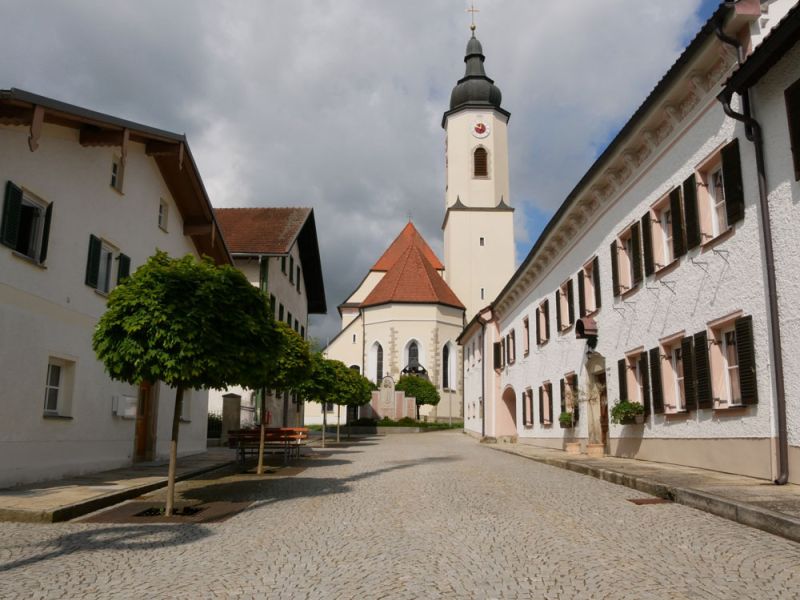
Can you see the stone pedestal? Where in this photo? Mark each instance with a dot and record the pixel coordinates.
(596, 450)
(231, 415)
(573, 447)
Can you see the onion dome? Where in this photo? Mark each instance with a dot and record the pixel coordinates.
(475, 87)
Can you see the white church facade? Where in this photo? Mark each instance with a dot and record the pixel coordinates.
(407, 313)
(667, 276)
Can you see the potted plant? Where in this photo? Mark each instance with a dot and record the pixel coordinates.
(627, 413)
(565, 420)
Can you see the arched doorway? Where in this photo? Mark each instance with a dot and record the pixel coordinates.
(507, 414)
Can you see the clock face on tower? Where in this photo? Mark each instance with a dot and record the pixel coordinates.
(480, 128)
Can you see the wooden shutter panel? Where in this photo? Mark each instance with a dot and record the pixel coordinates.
(524, 407)
(596, 281)
(562, 384)
(123, 268)
(48, 216)
(12, 207)
(558, 310)
(745, 353)
(575, 399)
(581, 294)
(656, 391)
(547, 320)
(636, 245)
(644, 373)
(538, 328)
(689, 381)
(93, 261)
(622, 376)
(647, 243)
(614, 269)
(690, 212)
(676, 216)
(570, 302)
(732, 180)
(541, 405)
(702, 371)
(792, 97)
(550, 400)
(496, 348)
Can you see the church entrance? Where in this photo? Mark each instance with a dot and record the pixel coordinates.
(506, 424)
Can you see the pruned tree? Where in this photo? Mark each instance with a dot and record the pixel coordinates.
(190, 324)
(321, 384)
(419, 388)
(286, 373)
(352, 389)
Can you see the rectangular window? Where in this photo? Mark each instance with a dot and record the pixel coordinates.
(26, 223)
(291, 269)
(546, 404)
(296, 326)
(117, 173)
(526, 337)
(792, 97)
(280, 312)
(565, 306)
(481, 241)
(672, 375)
(289, 318)
(732, 362)
(527, 407)
(482, 293)
(297, 281)
(100, 265)
(589, 288)
(716, 202)
(272, 305)
(58, 387)
(283, 265)
(626, 260)
(163, 214)
(52, 388)
(329, 407)
(302, 332)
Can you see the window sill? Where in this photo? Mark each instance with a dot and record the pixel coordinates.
(164, 229)
(526, 353)
(676, 415)
(668, 268)
(117, 190)
(731, 409)
(629, 292)
(591, 313)
(28, 259)
(547, 424)
(565, 329)
(707, 245)
(183, 420)
(56, 417)
(101, 293)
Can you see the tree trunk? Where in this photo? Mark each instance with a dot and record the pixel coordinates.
(260, 468)
(324, 423)
(173, 451)
(338, 420)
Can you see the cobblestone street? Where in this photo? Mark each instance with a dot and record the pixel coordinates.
(411, 516)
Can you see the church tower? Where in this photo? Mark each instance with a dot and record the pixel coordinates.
(479, 222)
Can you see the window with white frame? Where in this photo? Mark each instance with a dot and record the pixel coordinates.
(105, 265)
(26, 223)
(52, 388)
(674, 384)
(163, 214)
(716, 202)
(58, 387)
(117, 173)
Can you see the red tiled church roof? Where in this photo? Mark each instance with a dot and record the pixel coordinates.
(412, 278)
(261, 230)
(407, 238)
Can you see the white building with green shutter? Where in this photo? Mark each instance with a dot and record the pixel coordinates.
(87, 199)
(653, 282)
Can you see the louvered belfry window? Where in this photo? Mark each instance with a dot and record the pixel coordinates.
(481, 160)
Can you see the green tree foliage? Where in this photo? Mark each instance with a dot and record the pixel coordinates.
(419, 388)
(190, 324)
(293, 365)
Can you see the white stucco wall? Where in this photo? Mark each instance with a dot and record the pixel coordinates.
(49, 311)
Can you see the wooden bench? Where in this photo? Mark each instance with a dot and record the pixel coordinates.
(288, 440)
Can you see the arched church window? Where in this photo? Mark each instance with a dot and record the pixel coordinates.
(379, 364)
(446, 367)
(413, 354)
(481, 162)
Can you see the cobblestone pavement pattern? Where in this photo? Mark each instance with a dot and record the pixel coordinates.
(412, 516)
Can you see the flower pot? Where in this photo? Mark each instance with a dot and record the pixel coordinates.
(634, 420)
(565, 425)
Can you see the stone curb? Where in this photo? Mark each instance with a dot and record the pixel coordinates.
(67, 512)
(771, 521)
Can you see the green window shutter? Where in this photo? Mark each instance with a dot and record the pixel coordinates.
(123, 268)
(732, 180)
(581, 294)
(644, 372)
(702, 371)
(690, 212)
(676, 215)
(571, 302)
(563, 391)
(93, 261)
(596, 281)
(538, 328)
(558, 310)
(48, 216)
(689, 378)
(647, 243)
(745, 353)
(547, 319)
(550, 400)
(614, 269)
(792, 97)
(541, 405)
(12, 207)
(655, 381)
(636, 245)
(622, 377)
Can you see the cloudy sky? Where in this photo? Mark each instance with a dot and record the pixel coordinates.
(337, 104)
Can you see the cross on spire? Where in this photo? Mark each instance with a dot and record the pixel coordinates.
(472, 10)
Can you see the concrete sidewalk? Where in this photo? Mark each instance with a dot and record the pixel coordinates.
(65, 499)
(753, 502)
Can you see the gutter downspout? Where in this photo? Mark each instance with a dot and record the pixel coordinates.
(483, 378)
(753, 134)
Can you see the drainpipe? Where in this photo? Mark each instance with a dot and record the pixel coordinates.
(483, 378)
(754, 135)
